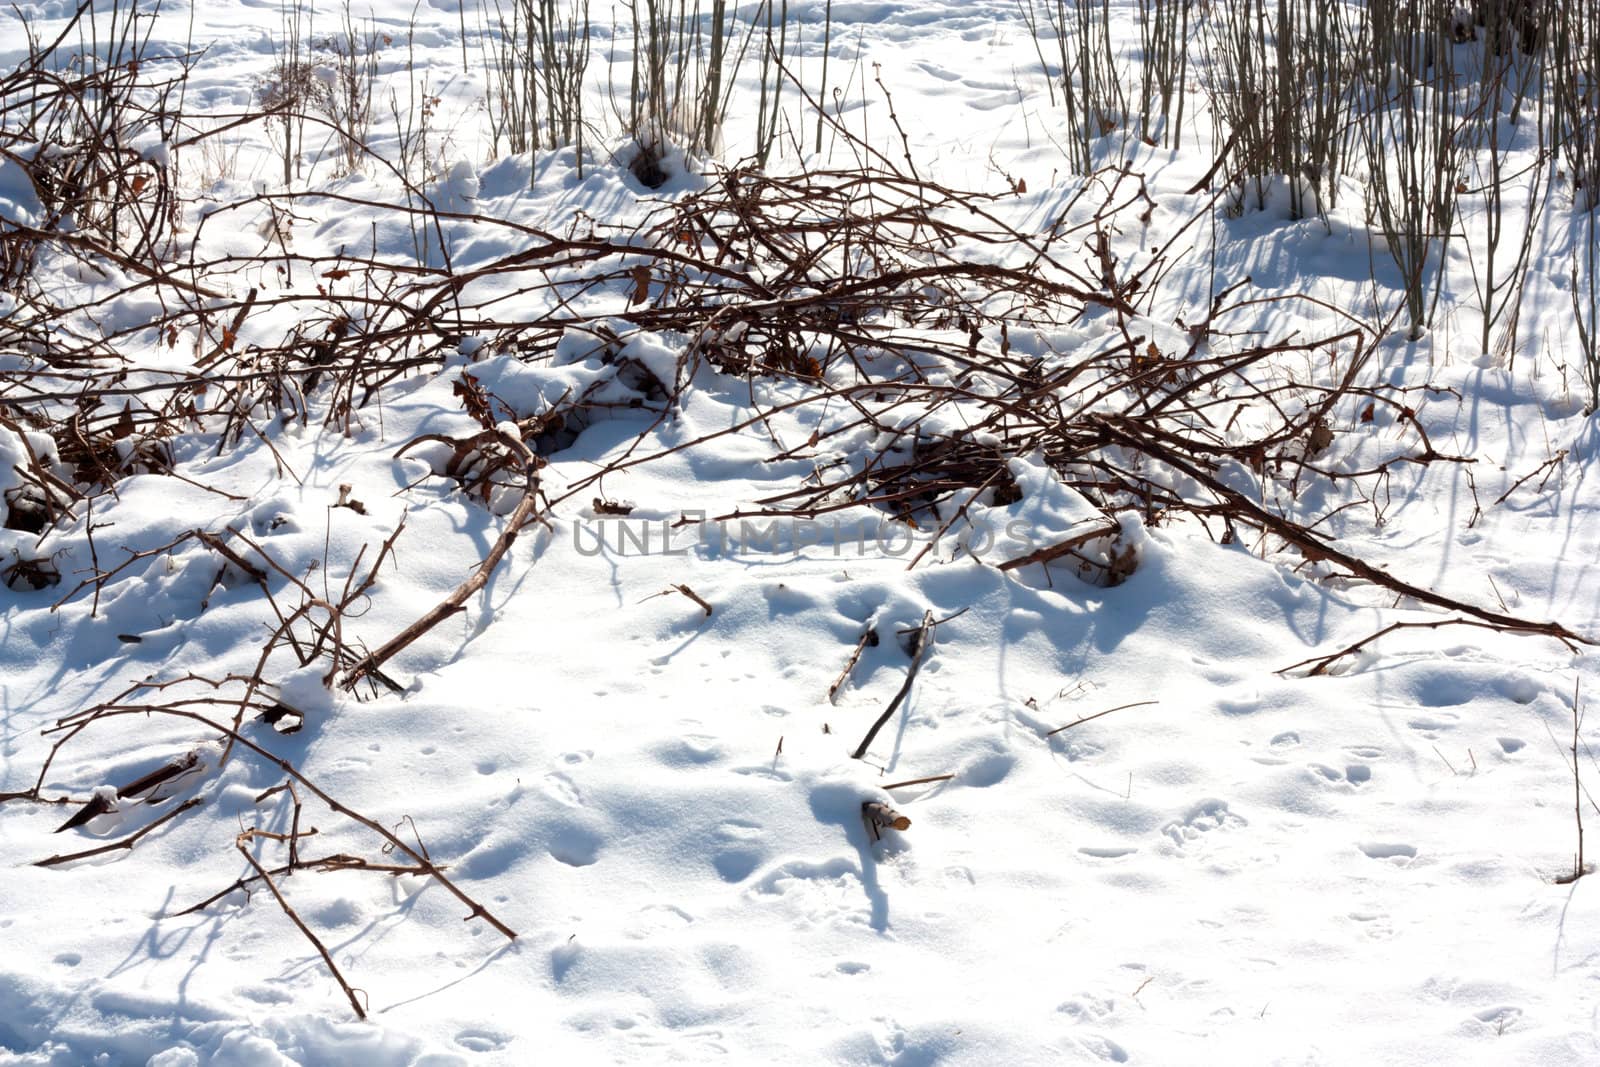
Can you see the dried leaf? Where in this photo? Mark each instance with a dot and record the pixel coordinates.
(1321, 437)
(1366, 412)
(641, 285)
(124, 424)
(474, 399)
(1123, 562)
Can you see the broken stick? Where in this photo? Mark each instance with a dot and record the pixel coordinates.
(868, 638)
(880, 817)
(919, 642)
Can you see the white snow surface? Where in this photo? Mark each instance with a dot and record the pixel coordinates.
(1254, 867)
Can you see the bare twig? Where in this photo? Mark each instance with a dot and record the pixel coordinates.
(869, 638)
(918, 646)
(1098, 714)
(322, 950)
(123, 843)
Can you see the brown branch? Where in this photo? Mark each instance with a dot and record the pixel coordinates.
(457, 599)
(1098, 714)
(918, 645)
(1313, 547)
(337, 862)
(692, 595)
(880, 817)
(1320, 664)
(1061, 548)
(476, 910)
(322, 950)
(124, 843)
(918, 781)
(868, 638)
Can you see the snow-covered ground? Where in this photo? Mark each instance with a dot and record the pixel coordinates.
(1240, 864)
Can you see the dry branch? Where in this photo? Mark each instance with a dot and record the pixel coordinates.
(277, 894)
(692, 595)
(869, 638)
(105, 712)
(1061, 548)
(1098, 714)
(523, 514)
(880, 817)
(123, 843)
(919, 643)
(1315, 547)
(917, 781)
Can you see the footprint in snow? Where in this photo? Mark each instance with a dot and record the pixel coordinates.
(1201, 819)
(575, 846)
(481, 1040)
(1087, 1007)
(1105, 1048)
(1431, 728)
(653, 920)
(1354, 774)
(1107, 853)
(1397, 853)
(1499, 1019)
(740, 849)
(1375, 924)
(560, 788)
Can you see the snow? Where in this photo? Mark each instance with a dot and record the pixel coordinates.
(1250, 865)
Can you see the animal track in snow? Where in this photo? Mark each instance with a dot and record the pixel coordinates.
(1105, 1048)
(1431, 728)
(816, 893)
(576, 846)
(741, 851)
(1201, 819)
(689, 751)
(1086, 1007)
(988, 769)
(481, 1040)
(562, 790)
(652, 920)
(1375, 924)
(1382, 850)
(1354, 774)
(1499, 1019)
